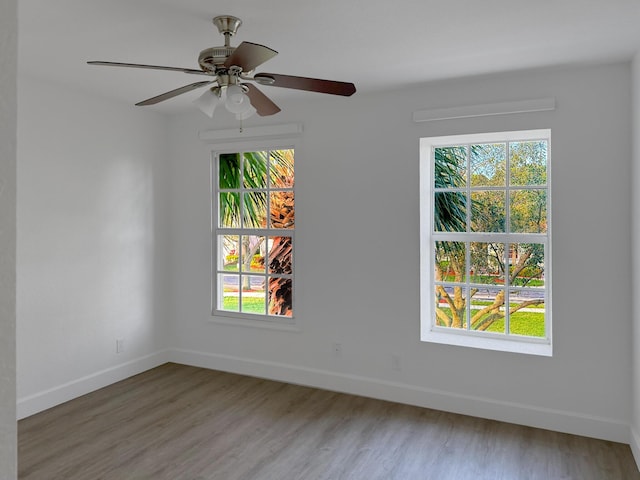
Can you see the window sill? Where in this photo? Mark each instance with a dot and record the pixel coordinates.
(540, 348)
(222, 318)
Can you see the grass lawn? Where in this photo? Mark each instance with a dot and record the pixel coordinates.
(530, 324)
(249, 304)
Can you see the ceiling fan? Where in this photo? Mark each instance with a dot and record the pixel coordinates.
(229, 68)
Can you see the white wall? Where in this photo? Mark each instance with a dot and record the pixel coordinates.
(635, 424)
(358, 245)
(8, 140)
(92, 249)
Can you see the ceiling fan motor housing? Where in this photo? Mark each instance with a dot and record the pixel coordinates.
(214, 57)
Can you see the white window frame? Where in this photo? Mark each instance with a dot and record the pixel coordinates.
(469, 338)
(240, 318)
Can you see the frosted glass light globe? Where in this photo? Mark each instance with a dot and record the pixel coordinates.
(237, 102)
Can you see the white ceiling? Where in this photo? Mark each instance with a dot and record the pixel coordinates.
(373, 43)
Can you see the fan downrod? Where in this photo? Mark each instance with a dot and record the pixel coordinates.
(227, 25)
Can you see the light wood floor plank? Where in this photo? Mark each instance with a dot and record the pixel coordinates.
(184, 423)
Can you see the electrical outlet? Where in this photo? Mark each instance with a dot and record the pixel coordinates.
(119, 345)
(337, 349)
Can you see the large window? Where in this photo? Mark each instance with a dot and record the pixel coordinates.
(485, 241)
(253, 230)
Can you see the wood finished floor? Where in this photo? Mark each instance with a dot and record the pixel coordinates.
(184, 423)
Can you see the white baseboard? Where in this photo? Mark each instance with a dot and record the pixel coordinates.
(634, 443)
(521, 414)
(40, 401)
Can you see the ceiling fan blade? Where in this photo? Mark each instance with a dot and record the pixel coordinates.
(173, 93)
(152, 67)
(303, 83)
(263, 104)
(249, 55)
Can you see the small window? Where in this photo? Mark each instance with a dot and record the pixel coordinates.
(485, 239)
(253, 234)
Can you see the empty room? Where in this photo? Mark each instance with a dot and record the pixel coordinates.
(341, 240)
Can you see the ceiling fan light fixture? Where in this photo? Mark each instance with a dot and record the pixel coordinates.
(208, 101)
(249, 113)
(235, 94)
(237, 101)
